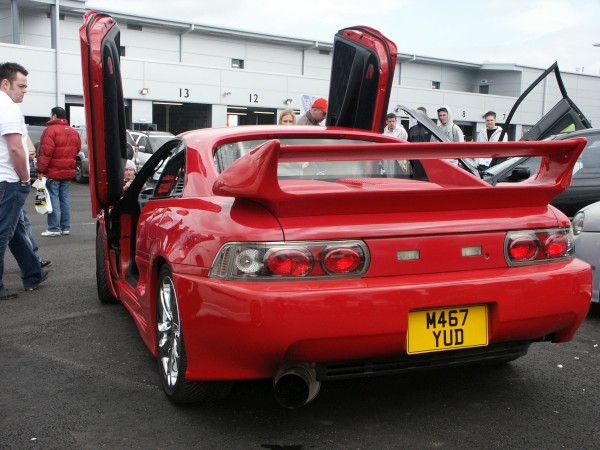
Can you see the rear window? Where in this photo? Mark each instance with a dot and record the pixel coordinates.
(588, 164)
(158, 141)
(228, 153)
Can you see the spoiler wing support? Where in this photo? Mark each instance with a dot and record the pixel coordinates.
(254, 177)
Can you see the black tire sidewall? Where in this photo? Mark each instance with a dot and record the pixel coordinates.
(78, 172)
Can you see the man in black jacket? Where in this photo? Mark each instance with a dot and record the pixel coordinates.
(418, 132)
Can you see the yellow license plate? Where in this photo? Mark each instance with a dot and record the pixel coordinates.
(436, 330)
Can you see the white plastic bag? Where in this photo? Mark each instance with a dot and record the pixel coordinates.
(42, 197)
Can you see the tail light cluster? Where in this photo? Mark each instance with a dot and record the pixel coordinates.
(290, 260)
(538, 246)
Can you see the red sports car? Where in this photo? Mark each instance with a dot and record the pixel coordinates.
(306, 254)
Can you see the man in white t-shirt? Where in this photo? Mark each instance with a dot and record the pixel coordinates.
(393, 128)
(14, 180)
(491, 133)
(393, 168)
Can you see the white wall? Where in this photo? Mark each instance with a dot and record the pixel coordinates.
(197, 69)
(501, 82)
(152, 44)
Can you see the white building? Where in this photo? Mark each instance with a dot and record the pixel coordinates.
(181, 75)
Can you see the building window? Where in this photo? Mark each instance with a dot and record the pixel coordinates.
(237, 63)
(435, 85)
(122, 51)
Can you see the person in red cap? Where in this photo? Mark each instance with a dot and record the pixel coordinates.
(316, 115)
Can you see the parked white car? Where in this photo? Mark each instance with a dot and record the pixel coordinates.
(586, 229)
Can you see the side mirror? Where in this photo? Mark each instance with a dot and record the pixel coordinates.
(519, 173)
(142, 148)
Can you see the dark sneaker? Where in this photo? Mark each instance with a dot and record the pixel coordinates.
(45, 263)
(7, 295)
(35, 286)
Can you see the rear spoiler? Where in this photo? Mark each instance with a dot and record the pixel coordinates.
(254, 177)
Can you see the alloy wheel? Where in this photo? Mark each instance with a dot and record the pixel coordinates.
(169, 332)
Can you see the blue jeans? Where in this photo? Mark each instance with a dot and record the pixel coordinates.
(25, 219)
(14, 235)
(60, 196)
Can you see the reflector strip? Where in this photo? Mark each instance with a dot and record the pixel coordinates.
(408, 255)
(472, 251)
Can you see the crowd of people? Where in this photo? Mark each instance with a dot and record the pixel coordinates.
(60, 144)
(417, 132)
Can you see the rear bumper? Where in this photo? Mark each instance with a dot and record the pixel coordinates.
(239, 330)
(405, 363)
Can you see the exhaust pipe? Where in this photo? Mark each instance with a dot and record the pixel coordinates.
(296, 385)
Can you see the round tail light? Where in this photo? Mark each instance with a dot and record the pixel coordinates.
(556, 245)
(341, 260)
(289, 262)
(523, 248)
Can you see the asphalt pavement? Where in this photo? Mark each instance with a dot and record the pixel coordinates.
(74, 374)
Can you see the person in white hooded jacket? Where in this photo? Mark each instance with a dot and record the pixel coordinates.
(447, 126)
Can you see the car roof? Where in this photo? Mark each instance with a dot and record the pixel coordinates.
(577, 133)
(246, 133)
(154, 133)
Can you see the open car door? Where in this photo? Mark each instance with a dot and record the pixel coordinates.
(105, 112)
(564, 116)
(362, 73)
(424, 119)
(466, 163)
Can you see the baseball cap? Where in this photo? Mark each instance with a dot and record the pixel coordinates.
(321, 104)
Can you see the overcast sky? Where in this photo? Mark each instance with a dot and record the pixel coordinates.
(533, 32)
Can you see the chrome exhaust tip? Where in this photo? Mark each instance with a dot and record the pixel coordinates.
(296, 385)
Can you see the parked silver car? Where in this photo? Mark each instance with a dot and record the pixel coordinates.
(34, 132)
(148, 142)
(82, 164)
(586, 229)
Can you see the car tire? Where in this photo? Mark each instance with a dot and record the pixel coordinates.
(104, 293)
(171, 352)
(79, 178)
